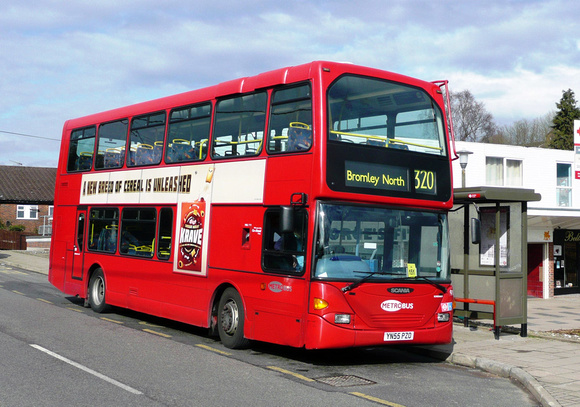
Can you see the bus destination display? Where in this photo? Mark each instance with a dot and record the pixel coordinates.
(387, 177)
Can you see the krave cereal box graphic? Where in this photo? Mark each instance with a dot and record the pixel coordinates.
(191, 234)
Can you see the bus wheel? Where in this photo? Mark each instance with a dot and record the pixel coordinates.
(97, 291)
(231, 320)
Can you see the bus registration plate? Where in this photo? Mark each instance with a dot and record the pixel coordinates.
(399, 336)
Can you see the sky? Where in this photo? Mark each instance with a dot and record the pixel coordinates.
(66, 59)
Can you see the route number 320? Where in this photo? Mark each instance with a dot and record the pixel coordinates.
(425, 181)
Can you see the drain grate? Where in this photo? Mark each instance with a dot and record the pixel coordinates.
(344, 381)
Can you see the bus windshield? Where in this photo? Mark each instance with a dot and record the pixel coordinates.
(355, 241)
(384, 114)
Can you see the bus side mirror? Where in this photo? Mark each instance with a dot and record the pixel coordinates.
(475, 231)
(287, 219)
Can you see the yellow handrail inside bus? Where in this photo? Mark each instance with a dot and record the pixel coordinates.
(365, 136)
(300, 125)
(394, 140)
(383, 138)
(229, 143)
(201, 144)
(180, 141)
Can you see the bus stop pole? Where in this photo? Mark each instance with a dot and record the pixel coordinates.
(466, 240)
(497, 255)
(524, 325)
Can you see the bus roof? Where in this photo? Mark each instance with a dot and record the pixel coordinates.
(275, 77)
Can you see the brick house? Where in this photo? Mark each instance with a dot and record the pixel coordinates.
(27, 197)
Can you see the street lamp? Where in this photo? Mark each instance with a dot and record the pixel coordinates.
(463, 157)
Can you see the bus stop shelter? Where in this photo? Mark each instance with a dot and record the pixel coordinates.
(488, 233)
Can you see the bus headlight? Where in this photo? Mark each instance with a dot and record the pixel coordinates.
(443, 317)
(342, 319)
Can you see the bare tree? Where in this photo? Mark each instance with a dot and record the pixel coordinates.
(529, 133)
(471, 121)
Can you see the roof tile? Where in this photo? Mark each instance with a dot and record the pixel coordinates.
(27, 184)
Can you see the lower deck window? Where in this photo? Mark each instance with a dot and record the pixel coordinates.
(164, 237)
(138, 231)
(103, 229)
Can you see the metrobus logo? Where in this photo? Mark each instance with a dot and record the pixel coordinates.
(278, 287)
(394, 305)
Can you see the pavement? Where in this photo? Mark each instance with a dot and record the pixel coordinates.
(546, 362)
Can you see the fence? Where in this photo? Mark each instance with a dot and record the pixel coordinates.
(10, 240)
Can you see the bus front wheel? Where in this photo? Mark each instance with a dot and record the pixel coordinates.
(97, 290)
(231, 320)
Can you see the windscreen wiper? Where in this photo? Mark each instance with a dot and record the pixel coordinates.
(355, 284)
(433, 283)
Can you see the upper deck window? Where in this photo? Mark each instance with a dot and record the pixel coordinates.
(112, 143)
(146, 142)
(239, 125)
(188, 133)
(384, 114)
(291, 120)
(81, 149)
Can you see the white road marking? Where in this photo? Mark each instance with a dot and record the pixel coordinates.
(86, 369)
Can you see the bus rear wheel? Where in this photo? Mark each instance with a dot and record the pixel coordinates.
(231, 320)
(97, 291)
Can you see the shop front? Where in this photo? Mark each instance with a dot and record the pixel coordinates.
(566, 261)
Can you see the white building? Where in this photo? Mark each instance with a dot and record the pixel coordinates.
(553, 222)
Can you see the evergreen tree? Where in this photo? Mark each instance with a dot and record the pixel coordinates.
(562, 136)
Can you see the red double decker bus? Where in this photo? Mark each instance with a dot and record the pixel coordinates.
(305, 206)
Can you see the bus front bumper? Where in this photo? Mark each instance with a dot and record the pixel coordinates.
(321, 334)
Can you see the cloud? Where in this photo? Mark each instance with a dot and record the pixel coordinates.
(67, 59)
(520, 93)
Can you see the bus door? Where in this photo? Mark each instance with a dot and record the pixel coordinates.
(77, 255)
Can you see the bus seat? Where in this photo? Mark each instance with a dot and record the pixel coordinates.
(398, 146)
(299, 139)
(180, 150)
(131, 156)
(374, 142)
(157, 152)
(113, 158)
(107, 241)
(85, 161)
(144, 154)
